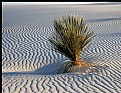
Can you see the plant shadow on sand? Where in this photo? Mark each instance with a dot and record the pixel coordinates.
(51, 69)
(45, 70)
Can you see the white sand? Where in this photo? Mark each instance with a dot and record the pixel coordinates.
(28, 64)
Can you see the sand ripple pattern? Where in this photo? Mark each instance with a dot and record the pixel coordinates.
(28, 63)
(26, 49)
(70, 83)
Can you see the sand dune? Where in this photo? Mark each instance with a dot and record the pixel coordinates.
(28, 64)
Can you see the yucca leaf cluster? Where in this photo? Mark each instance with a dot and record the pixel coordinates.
(71, 36)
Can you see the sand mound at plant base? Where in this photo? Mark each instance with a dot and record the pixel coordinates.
(28, 64)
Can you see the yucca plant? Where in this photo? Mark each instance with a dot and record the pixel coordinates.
(70, 39)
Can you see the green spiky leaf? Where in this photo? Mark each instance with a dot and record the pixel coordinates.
(71, 36)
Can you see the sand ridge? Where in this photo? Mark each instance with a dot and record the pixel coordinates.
(28, 64)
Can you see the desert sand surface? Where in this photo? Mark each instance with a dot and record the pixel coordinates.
(28, 63)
